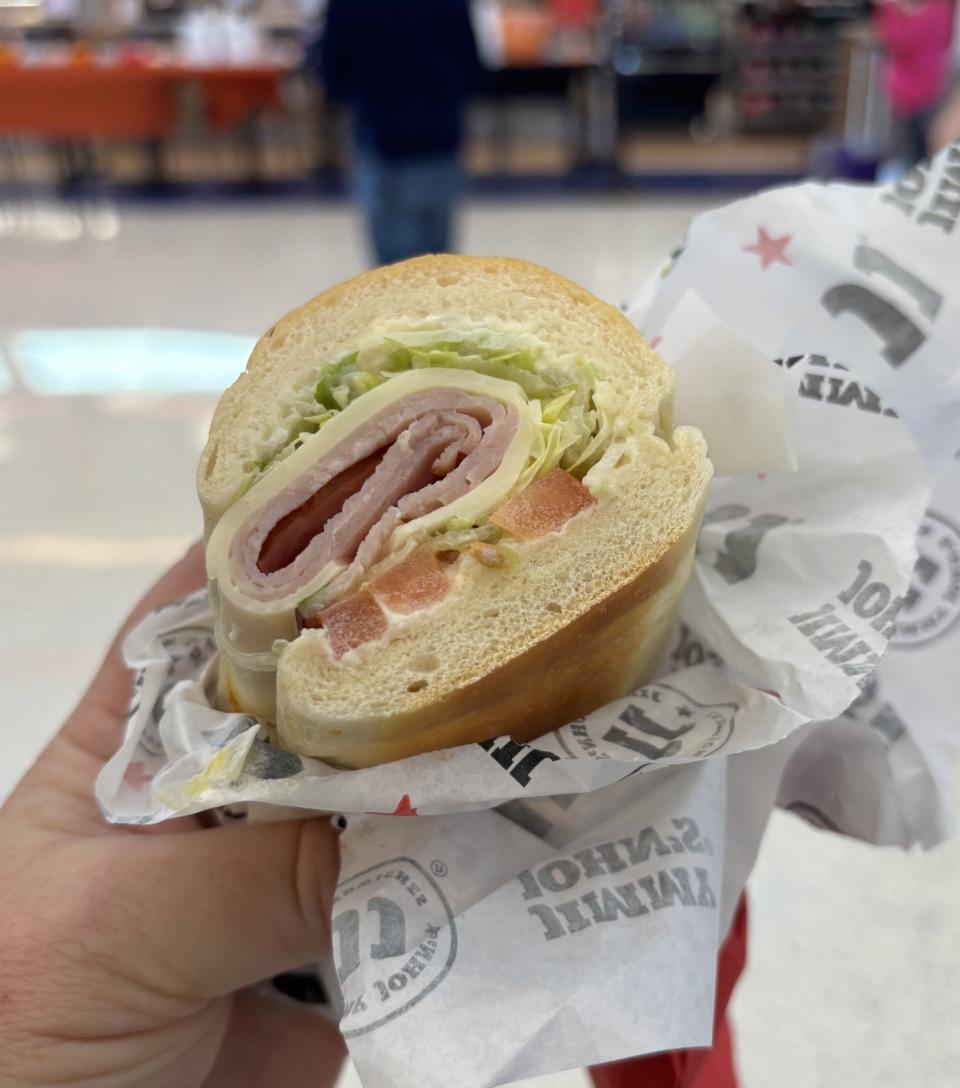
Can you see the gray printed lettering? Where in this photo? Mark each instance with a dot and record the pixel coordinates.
(871, 599)
(737, 559)
(559, 875)
(665, 892)
(346, 928)
(900, 205)
(413, 967)
(689, 833)
(551, 926)
(573, 916)
(807, 622)
(911, 185)
(943, 222)
(640, 848)
(705, 896)
(885, 624)
(900, 336)
(393, 929)
(871, 261)
(597, 860)
(531, 889)
(833, 642)
(865, 399)
(613, 902)
(864, 570)
(810, 386)
(682, 877)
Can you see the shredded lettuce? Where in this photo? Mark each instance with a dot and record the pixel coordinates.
(572, 409)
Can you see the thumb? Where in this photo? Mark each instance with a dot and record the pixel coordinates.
(226, 907)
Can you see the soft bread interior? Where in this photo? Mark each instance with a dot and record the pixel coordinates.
(257, 412)
(493, 615)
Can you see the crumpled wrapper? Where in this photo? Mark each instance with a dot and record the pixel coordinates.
(562, 903)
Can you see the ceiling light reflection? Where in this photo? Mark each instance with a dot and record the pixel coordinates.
(84, 361)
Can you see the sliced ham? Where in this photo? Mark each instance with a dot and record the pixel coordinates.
(543, 507)
(417, 455)
(293, 532)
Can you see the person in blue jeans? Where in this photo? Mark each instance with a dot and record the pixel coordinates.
(406, 68)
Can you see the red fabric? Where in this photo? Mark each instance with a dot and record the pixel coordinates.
(711, 1068)
(917, 38)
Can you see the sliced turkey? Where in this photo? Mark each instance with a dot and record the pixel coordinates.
(421, 453)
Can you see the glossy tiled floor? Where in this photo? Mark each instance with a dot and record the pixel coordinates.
(855, 950)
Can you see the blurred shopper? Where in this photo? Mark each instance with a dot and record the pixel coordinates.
(916, 34)
(406, 68)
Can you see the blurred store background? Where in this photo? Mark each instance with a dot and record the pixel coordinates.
(174, 176)
(581, 93)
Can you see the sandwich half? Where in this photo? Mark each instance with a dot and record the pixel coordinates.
(445, 502)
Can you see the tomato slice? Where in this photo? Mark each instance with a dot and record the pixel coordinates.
(413, 583)
(543, 507)
(353, 622)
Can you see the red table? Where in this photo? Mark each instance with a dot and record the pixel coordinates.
(82, 100)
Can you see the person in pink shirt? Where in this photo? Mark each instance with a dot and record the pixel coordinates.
(916, 35)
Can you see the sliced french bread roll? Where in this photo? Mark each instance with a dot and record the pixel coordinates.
(445, 502)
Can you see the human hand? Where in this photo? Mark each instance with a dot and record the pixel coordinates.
(124, 952)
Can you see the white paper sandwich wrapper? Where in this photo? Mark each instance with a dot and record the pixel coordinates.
(873, 286)
(529, 920)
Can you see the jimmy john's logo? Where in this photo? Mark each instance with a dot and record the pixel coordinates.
(932, 603)
(879, 303)
(666, 723)
(518, 760)
(658, 722)
(625, 878)
(394, 941)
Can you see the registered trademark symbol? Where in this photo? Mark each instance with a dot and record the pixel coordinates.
(438, 868)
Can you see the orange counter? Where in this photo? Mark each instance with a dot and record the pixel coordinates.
(86, 100)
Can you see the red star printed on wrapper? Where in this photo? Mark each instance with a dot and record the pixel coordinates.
(770, 250)
(404, 808)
